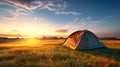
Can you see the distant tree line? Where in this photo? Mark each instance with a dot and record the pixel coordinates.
(6, 39)
(109, 38)
(51, 37)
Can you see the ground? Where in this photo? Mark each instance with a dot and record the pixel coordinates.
(51, 53)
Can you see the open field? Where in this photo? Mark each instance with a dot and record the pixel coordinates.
(50, 53)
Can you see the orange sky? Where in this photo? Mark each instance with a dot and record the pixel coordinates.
(30, 28)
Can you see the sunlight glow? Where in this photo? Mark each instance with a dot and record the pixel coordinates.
(30, 28)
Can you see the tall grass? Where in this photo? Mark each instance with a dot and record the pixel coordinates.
(52, 54)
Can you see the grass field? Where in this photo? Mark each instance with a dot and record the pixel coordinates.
(50, 53)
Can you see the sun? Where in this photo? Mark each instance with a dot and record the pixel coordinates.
(31, 33)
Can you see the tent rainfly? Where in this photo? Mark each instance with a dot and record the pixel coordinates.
(83, 39)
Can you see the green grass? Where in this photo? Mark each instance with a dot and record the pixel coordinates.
(52, 54)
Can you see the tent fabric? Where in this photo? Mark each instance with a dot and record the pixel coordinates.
(83, 39)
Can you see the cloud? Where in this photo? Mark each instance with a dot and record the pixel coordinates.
(26, 4)
(88, 18)
(57, 6)
(51, 5)
(62, 31)
(11, 35)
(10, 17)
(3, 3)
(76, 20)
(82, 23)
(18, 12)
(6, 3)
(67, 13)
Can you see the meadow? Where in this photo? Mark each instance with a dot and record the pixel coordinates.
(51, 53)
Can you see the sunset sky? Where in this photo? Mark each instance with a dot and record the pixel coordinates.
(34, 18)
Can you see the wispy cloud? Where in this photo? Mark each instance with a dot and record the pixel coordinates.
(10, 17)
(76, 20)
(51, 5)
(6, 3)
(11, 35)
(18, 12)
(21, 11)
(82, 23)
(67, 12)
(88, 18)
(3, 3)
(57, 6)
(62, 31)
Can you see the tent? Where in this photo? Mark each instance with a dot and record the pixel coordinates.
(83, 39)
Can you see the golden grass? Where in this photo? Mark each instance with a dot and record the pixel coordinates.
(112, 43)
(50, 53)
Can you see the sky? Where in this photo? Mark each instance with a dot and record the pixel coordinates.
(34, 18)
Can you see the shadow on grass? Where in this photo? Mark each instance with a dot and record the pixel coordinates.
(106, 52)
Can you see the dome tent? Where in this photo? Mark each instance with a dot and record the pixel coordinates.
(83, 39)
